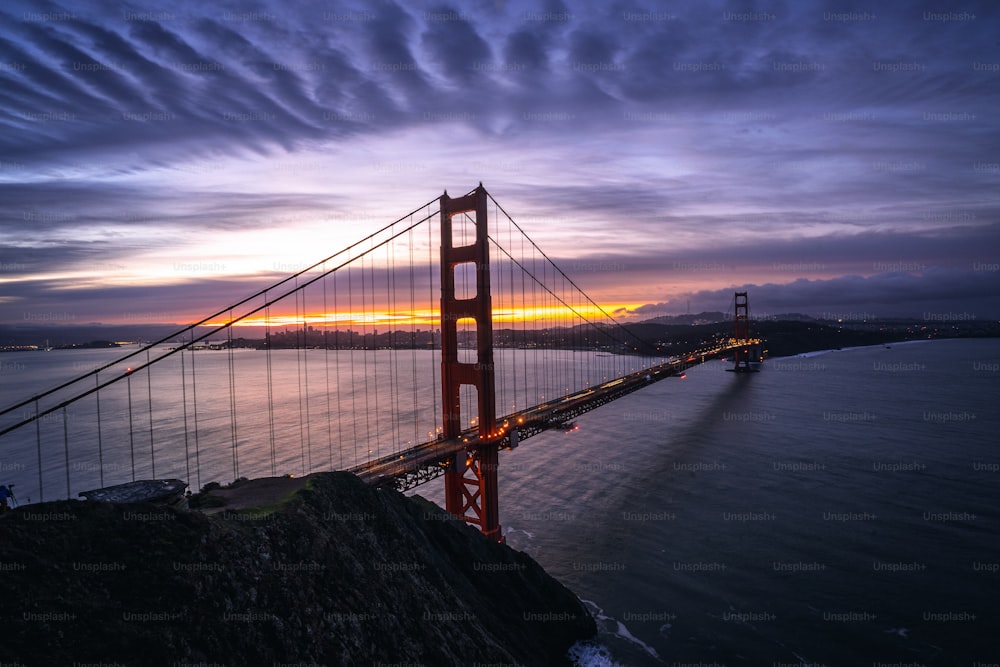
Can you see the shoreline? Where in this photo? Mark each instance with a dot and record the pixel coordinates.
(816, 353)
(911, 341)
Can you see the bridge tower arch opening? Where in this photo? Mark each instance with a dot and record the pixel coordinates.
(470, 478)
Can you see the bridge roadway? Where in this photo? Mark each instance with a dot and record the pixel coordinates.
(428, 460)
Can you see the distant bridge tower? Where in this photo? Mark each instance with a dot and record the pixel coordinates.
(470, 480)
(747, 355)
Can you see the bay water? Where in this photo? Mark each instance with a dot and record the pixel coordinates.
(837, 508)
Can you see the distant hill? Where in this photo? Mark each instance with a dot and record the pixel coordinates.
(715, 316)
(788, 317)
(690, 318)
(789, 333)
(785, 337)
(74, 335)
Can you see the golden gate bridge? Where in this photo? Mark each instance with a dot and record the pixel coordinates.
(485, 342)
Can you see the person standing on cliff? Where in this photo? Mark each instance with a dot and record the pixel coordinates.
(5, 493)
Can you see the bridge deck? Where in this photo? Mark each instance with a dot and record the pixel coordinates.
(427, 460)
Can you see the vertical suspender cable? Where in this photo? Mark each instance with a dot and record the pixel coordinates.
(100, 439)
(131, 431)
(430, 302)
(38, 444)
(350, 349)
(326, 366)
(513, 327)
(498, 330)
(413, 341)
(270, 383)
(305, 376)
(374, 356)
(298, 368)
(184, 407)
(149, 391)
(336, 344)
(232, 397)
(394, 389)
(194, 407)
(465, 401)
(65, 421)
(364, 352)
(526, 398)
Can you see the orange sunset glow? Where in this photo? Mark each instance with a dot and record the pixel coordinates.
(533, 317)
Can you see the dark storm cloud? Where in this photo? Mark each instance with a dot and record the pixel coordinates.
(872, 251)
(140, 84)
(908, 274)
(67, 206)
(454, 45)
(842, 136)
(524, 47)
(206, 69)
(592, 46)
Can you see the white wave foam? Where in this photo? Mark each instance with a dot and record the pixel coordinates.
(510, 530)
(591, 654)
(816, 353)
(615, 627)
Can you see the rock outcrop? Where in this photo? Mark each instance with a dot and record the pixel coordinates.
(337, 573)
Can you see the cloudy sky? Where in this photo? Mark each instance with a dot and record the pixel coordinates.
(831, 157)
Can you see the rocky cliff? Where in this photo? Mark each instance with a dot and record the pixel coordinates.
(337, 573)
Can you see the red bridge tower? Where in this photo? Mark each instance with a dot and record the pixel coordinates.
(747, 356)
(470, 480)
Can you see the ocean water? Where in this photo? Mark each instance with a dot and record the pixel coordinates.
(838, 508)
(212, 415)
